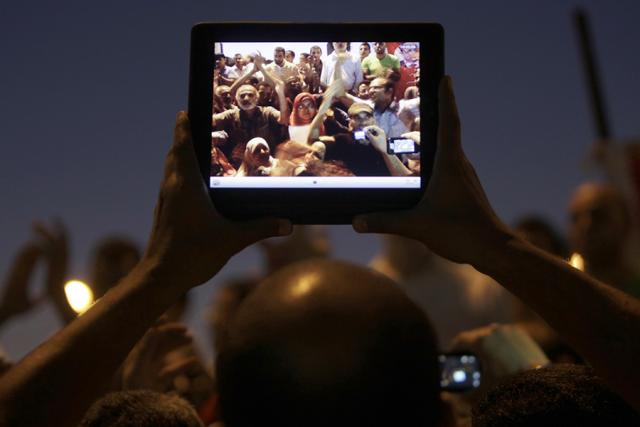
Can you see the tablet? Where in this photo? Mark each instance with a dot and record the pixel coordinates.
(288, 122)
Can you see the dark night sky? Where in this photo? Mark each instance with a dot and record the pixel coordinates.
(89, 92)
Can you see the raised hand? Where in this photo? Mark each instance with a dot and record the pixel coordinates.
(258, 61)
(454, 218)
(15, 298)
(190, 240)
(55, 244)
(378, 139)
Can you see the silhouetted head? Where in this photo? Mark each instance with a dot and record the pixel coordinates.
(599, 223)
(539, 232)
(561, 395)
(225, 305)
(324, 343)
(141, 408)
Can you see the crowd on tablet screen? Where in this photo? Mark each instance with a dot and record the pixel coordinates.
(316, 113)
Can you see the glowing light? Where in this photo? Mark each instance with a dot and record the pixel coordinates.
(577, 261)
(459, 376)
(79, 295)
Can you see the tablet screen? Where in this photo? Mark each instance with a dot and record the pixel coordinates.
(315, 115)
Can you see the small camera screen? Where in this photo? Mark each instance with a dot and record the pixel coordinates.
(314, 114)
(402, 146)
(459, 372)
(359, 135)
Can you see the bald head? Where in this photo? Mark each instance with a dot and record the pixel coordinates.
(328, 343)
(599, 222)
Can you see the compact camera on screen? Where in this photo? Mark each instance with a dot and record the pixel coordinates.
(459, 372)
(402, 146)
(281, 116)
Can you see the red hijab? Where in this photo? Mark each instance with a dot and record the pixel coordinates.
(295, 119)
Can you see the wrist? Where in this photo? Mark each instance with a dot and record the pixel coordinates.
(153, 273)
(494, 250)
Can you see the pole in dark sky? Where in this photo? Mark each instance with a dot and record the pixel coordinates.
(593, 78)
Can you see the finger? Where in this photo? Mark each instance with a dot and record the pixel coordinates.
(252, 231)
(23, 264)
(181, 143)
(449, 120)
(43, 232)
(188, 367)
(171, 328)
(396, 222)
(60, 228)
(30, 252)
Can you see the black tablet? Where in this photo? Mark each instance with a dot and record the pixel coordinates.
(288, 122)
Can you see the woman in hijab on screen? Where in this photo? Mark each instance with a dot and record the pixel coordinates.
(257, 159)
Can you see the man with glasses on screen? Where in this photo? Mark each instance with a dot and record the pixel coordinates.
(364, 150)
(384, 110)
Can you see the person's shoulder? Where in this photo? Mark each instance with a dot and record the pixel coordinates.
(269, 111)
(228, 114)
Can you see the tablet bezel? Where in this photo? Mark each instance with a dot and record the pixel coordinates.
(306, 206)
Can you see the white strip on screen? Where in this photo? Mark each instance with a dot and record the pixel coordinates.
(315, 182)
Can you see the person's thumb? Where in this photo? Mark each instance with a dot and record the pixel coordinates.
(396, 222)
(255, 230)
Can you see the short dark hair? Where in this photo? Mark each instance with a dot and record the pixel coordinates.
(553, 396)
(291, 52)
(365, 355)
(141, 408)
(315, 47)
(279, 49)
(389, 85)
(366, 44)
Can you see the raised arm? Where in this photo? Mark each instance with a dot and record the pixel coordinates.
(334, 90)
(278, 85)
(189, 244)
(377, 138)
(456, 221)
(257, 62)
(14, 295)
(55, 244)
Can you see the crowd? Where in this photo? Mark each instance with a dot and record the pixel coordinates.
(317, 341)
(280, 118)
